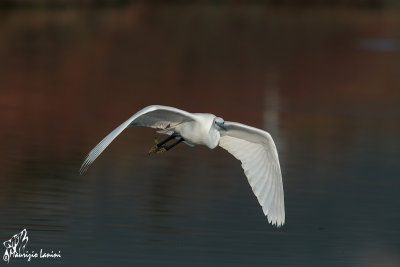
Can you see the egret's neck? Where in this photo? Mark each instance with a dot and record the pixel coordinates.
(214, 137)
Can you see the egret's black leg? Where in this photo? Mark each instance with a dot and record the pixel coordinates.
(180, 139)
(172, 136)
(160, 147)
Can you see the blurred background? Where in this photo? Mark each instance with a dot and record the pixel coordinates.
(321, 76)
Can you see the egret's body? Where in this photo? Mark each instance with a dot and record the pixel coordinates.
(199, 131)
(253, 147)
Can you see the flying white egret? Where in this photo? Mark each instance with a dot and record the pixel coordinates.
(253, 147)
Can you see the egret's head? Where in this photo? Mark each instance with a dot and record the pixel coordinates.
(219, 122)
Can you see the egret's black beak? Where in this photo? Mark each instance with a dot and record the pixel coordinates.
(221, 125)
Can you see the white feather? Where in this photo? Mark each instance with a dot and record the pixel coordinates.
(152, 116)
(257, 152)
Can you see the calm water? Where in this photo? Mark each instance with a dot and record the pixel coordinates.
(324, 83)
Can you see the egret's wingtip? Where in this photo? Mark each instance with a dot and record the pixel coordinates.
(276, 221)
(81, 171)
(83, 168)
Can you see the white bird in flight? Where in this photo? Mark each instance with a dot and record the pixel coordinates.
(253, 147)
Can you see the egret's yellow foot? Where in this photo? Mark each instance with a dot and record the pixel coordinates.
(154, 149)
(161, 150)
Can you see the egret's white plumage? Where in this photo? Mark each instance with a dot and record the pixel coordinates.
(253, 147)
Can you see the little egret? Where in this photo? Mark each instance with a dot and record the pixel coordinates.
(253, 147)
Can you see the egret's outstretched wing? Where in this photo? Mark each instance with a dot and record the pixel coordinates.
(151, 116)
(257, 152)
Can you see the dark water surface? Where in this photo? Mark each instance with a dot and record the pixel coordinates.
(324, 83)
